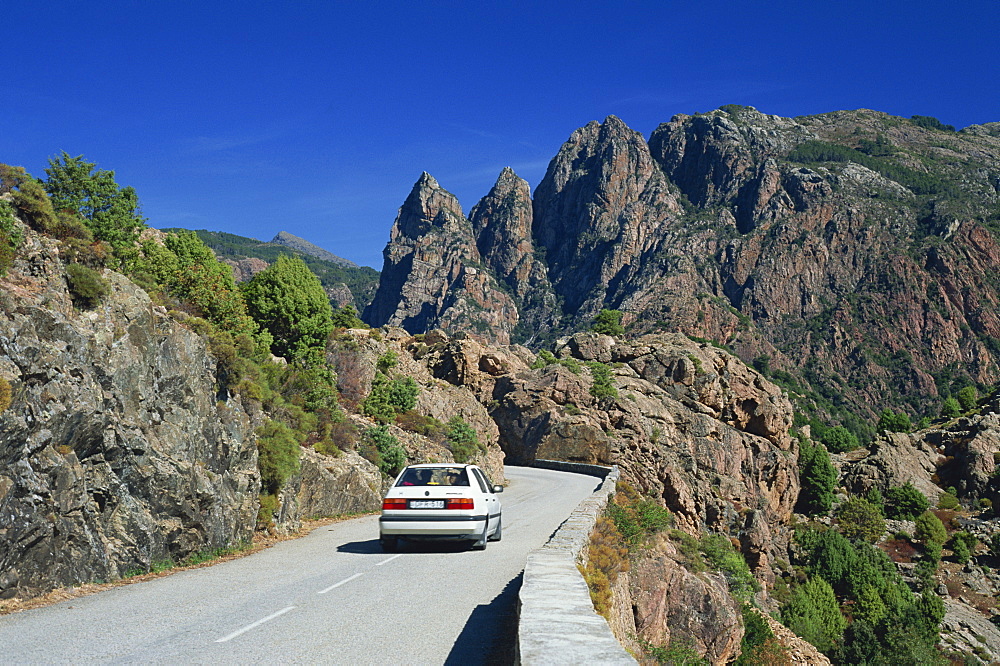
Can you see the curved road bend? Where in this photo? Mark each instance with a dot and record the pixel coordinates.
(330, 597)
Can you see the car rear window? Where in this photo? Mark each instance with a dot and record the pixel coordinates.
(434, 476)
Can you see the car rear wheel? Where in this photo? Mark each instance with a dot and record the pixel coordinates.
(389, 544)
(498, 534)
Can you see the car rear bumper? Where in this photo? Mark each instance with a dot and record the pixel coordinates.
(432, 526)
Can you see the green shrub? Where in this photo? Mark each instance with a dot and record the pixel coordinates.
(994, 544)
(721, 555)
(930, 122)
(817, 478)
(636, 517)
(950, 408)
(890, 421)
(10, 237)
(269, 506)
(679, 652)
(29, 198)
(609, 322)
(387, 361)
(278, 455)
(547, 358)
(289, 301)
(757, 644)
(860, 519)
(462, 440)
(347, 317)
(929, 529)
(428, 426)
(962, 545)
(839, 439)
(905, 502)
(968, 398)
(392, 456)
(602, 388)
(948, 501)
(389, 397)
(814, 614)
(110, 212)
(86, 286)
(874, 497)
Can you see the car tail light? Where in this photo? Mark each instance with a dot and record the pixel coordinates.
(394, 503)
(460, 503)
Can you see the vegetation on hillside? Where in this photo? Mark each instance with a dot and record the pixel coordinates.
(361, 280)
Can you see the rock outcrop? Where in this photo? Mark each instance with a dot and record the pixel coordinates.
(962, 454)
(691, 424)
(670, 603)
(355, 355)
(117, 450)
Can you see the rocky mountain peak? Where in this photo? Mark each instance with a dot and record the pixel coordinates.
(432, 274)
(502, 223)
(597, 211)
(834, 245)
(428, 205)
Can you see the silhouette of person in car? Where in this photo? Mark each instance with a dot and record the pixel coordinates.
(417, 477)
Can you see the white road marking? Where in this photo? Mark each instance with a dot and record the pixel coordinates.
(378, 564)
(256, 624)
(336, 585)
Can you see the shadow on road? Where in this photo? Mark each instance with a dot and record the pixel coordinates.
(373, 546)
(490, 634)
(361, 547)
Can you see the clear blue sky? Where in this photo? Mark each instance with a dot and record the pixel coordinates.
(316, 118)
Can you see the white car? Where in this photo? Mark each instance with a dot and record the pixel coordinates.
(441, 501)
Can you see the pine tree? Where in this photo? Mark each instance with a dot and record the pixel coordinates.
(110, 212)
(289, 301)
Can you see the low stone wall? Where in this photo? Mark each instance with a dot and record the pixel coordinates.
(557, 623)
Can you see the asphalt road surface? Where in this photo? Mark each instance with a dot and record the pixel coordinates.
(330, 597)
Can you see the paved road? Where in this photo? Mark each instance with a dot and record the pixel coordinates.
(330, 597)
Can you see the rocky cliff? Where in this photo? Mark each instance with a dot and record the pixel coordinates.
(117, 450)
(856, 252)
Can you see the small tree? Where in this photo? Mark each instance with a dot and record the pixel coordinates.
(962, 544)
(110, 212)
(347, 317)
(905, 502)
(609, 322)
(288, 300)
(929, 529)
(950, 408)
(391, 455)
(817, 478)
(839, 439)
(874, 497)
(462, 439)
(890, 421)
(859, 519)
(814, 614)
(968, 398)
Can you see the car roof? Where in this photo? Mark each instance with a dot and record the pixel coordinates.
(436, 465)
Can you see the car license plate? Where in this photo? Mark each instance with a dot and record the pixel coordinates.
(426, 504)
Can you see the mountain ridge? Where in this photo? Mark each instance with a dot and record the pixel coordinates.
(828, 249)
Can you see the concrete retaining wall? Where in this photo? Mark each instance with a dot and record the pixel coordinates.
(557, 622)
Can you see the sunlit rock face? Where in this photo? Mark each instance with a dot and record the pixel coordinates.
(118, 449)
